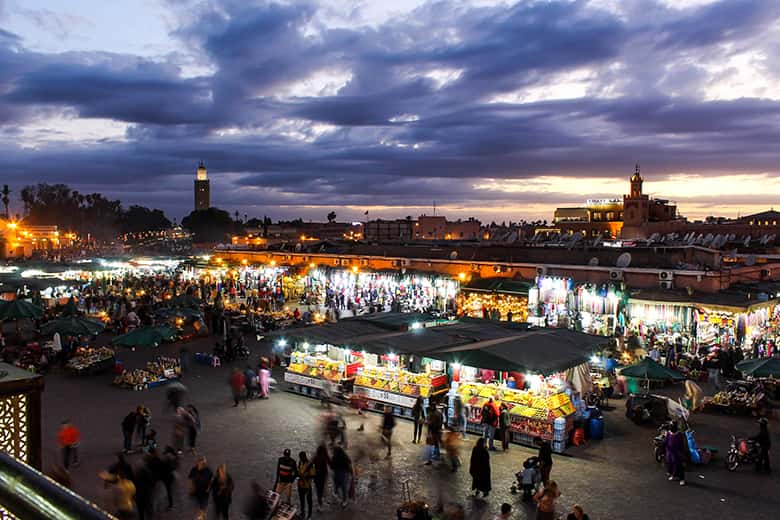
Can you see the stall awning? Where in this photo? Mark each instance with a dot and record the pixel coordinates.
(542, 351)
(470, 341)
(498, 285)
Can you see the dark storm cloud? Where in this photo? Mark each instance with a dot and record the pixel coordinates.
(424, 113)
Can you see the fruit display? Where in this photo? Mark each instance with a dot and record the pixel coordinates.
(317, 366)
(400, 381)
(530, 412)
(156, 372)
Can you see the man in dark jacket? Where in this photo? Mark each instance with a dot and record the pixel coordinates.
(286, 473)
(128, 427)
(764, 443)
(545, 459)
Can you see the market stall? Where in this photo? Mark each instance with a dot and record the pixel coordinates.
(309, 372)
(545, 412)
(161, 371)
(495, 298)
(526, 369)
(88, 360)
(548, 301)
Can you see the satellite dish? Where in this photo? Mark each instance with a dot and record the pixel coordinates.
(732, 237)
(623, 260)
(653, 237)
(593, 262)
(746, 243)
(750, 260)
(454, 255)
(771, 238)
(298, 246)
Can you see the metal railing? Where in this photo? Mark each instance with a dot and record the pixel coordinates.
(27, 494)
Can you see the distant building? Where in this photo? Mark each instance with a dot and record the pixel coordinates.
(19, 240)
(640, 212)
(390, 230)
(439, 228)
(598, 218)
(202, 188)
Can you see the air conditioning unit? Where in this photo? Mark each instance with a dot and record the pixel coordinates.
(364, 262)
(666, 284)
(666, 275)
(288, 257)
(616, 275)
(336, 261)
(541, 270)
(475, 268)
(405, 262)
(396, 263)
(345, 262)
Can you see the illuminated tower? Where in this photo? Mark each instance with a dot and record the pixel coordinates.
(202, 188)
(636, 205)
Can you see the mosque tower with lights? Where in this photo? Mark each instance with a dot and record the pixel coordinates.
(202, 188)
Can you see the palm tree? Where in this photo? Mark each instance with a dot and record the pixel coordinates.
(6, 192)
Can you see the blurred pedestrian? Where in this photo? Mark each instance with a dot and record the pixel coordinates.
(452, 448)
(142, 421)
(674, 442)
(286, 472)
(577, 513)
(341, 465)
(265, 378)
(388, 424)
(200, 481)
(479, 469)
(237, 386)
(490, 422)
(68, 439)
(124, 498)
(433, 437)
(193, 426)
(144, 491)
(418, 416)
(545, 501)
(506, 512)
(545, 459)
(222, 492)
(504, 422)
(306, 472)
(461, 420)
(128, 428)
(321, 463)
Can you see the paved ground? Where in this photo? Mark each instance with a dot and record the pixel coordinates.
(613, 479)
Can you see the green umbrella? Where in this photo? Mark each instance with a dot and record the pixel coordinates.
(17, 309)
(186, 300)
(649, 369)
(764, 367)
(146, 336)
(178, 313)
(73, 326)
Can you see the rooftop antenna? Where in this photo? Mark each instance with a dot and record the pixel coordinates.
(434, 208)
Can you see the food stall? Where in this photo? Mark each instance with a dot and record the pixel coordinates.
(391, 385)
(161, 371)
(308, 372)
(547, 413)
(89, 360)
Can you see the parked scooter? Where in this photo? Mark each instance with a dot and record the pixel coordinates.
(741, 451)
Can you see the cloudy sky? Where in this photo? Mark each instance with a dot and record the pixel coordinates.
(501, 110)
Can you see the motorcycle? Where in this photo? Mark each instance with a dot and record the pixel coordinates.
(741, 451)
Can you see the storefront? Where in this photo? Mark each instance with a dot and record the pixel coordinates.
(548, 302)
(495, 298)
(594, 309)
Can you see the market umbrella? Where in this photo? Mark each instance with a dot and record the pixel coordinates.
(649, 369)
(146, 336)
(764, 367)
(186, 300)
(178, 313)
(73, 326)
(19, 309)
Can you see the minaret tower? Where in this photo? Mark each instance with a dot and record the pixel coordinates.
(636, 184)
(202, 188)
